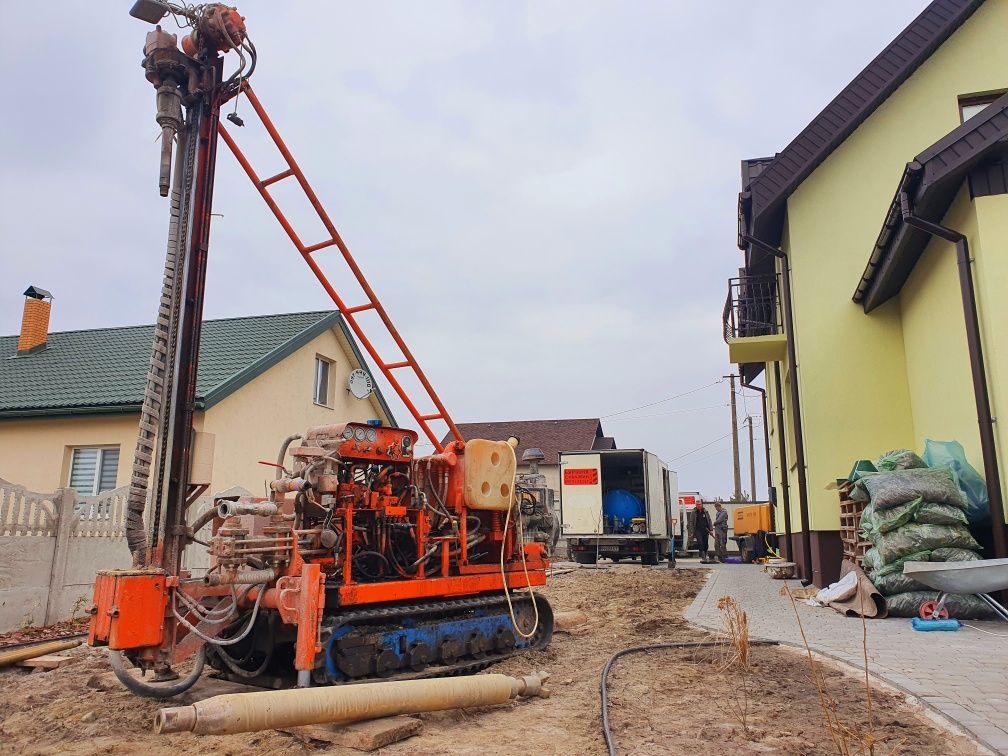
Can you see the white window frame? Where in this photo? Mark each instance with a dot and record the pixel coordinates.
(102, 450)
(980, 102)
(319, 361)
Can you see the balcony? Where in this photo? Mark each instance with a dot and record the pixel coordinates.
(753, 326)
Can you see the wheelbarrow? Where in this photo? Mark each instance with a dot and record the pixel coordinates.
(981, 578)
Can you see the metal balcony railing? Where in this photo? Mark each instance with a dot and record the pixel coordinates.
(752, 307)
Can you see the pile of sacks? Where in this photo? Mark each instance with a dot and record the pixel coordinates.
(915, 513)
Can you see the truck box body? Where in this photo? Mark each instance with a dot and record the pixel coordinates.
(586, 478)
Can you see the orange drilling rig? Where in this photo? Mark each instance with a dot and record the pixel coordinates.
(364, 561)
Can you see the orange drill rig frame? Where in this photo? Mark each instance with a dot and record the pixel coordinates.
(363, 561)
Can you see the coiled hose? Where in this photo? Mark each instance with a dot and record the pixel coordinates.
(604, 685)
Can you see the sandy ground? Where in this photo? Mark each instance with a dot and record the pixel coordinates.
(660, 702)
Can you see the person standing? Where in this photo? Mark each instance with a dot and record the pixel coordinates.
(702, 528)
(720, 532)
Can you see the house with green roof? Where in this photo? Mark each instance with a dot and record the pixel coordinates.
(70, 400)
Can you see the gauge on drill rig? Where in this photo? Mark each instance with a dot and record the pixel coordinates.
(348, 433)
(372, 434)
(406, 444)
(359, 434)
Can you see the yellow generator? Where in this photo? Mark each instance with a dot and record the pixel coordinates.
(751, 524)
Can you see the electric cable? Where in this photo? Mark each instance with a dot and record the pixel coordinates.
(662, 401)
(507, 590)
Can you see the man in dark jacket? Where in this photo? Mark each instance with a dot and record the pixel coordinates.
(702, 528)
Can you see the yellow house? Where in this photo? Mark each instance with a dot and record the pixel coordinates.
(70, 401)
(852, 302)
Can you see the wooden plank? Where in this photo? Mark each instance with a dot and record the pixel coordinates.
(361, 736)
(46, 661)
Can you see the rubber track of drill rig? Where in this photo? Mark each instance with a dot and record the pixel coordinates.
(367, 621)
(158, 388)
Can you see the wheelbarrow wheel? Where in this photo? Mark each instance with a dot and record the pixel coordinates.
(927, 611)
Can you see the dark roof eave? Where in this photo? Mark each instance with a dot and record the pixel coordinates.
(848, 110)
(932, 181)
(112, 409)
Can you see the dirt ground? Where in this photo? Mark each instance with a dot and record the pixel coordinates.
(660, 702)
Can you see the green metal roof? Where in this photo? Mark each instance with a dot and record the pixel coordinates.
(104, 370)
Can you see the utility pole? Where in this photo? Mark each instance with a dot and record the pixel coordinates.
(737, 495)
(752, 462)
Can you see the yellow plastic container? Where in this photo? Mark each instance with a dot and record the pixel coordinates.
(490, 468)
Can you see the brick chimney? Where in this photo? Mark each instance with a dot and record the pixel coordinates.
(35, 323)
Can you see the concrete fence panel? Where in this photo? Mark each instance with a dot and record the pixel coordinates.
(53, 544)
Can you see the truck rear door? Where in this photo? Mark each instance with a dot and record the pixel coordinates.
(581, 494)
(657, 507)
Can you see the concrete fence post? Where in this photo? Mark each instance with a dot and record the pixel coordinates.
(64, 502)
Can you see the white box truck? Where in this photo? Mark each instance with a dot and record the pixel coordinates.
(616, 504)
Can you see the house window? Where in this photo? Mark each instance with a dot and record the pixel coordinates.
(93, 470)
(971, 106)
(322, 375)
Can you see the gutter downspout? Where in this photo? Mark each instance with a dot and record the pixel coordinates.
(988, 446)
(766, 446)
(782, 453)
(792, 359)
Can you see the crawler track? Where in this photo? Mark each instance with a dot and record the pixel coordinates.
(415, 641)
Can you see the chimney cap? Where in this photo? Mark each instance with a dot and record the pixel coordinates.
(36, 293)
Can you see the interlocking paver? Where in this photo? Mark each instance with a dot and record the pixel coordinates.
(963, 675)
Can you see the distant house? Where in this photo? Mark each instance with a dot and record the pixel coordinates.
(70, 400)
(899, 328)
(552, 436)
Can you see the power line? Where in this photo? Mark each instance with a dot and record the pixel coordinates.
(699, 448)
(667, 414)
(661, 401)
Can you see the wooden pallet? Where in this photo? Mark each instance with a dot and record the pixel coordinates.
(854, 548)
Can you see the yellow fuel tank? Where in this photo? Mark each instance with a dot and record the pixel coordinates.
(751, 519)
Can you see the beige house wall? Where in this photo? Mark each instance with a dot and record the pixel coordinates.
(249, 424)
(36, 453)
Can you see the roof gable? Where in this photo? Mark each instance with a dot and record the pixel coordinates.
(104, 370)
(764, 200)
(552, 436)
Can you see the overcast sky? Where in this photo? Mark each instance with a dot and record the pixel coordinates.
(543, 194)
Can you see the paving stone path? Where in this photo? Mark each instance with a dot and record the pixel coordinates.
(961, 674)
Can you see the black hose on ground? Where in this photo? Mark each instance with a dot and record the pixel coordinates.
(157, 690)
(603, 685)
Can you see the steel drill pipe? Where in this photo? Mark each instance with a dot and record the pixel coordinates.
(274, 709)
(16, 655)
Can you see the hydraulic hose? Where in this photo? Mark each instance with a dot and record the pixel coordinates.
(604, 686)
(157, 690)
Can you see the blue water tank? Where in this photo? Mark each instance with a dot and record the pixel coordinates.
(621, 506)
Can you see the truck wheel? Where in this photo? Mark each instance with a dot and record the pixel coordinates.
(585, 557)
(650, 558)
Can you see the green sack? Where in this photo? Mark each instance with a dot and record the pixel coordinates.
(954, 555)
(896, 567)
(959, 606)
(900, 486)
(900, 459)
(870, 561)
(929, 513)
(897, 583)
(916, 537)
